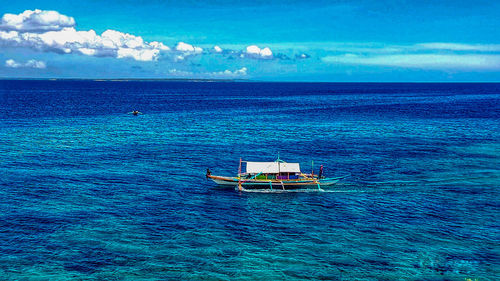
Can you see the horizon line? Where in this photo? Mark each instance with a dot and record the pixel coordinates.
(234, 80)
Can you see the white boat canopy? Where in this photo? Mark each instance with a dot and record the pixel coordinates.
(272, 167)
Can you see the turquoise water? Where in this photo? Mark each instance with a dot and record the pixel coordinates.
(90, 192)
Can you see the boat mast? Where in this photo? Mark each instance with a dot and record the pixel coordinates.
(240, 188)
(239, 169)
(279, 161)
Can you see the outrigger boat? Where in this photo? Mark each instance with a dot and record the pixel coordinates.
(278, 175)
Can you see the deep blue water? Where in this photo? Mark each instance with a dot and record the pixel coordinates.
(89, 191)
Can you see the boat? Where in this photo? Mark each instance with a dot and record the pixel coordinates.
(278, 174)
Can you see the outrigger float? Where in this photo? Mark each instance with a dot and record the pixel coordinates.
(279, 175)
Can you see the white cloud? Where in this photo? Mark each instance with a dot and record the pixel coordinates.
(179, 58)
(226, 74)
(184, 50)
(138, 54)
(9, 36)
(423, 61)
(242, 71)
(458, 47)
(383, 48)
(180, 73)
(159, 46)
(254, 51)
(29, 64)
(36, 21)
(217, 49)
(188, 48)
(119, 39)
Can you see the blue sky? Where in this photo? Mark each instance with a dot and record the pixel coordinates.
(257, 40)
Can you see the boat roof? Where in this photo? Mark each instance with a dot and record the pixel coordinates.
(272, 167)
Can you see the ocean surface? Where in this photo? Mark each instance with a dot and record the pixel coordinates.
(91, 192)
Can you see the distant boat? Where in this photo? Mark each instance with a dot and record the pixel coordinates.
(135, 112)
(273, 175)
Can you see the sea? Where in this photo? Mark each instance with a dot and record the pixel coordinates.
(91, 192)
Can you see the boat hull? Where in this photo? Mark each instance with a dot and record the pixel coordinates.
(264, 184)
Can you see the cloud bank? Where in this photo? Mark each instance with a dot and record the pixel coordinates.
(431, 56)
(50, 31)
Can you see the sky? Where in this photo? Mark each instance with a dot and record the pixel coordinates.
(331, 41)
